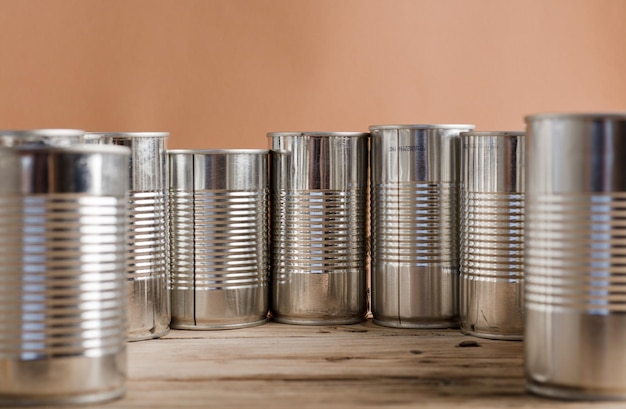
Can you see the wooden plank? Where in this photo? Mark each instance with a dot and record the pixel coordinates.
(357, 366)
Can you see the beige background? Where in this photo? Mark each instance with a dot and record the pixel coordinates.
(222, 73)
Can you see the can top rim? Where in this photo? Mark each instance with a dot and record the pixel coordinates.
(78, 148)
(576, 115)
(42, 132)
(421, 126)
(217, 151)
(317, 133)
(129, 134)
(493, 133)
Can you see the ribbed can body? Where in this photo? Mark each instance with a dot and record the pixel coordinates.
(492, 234)
(415, 171)
(318, 233)
(149, 304)
(63, 221)
(575, 279)
(219, 238)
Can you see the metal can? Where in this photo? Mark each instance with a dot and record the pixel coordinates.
(492, 234)
(575, 257)
(148, 276)
(95, 138)
(63, 222)
(42, 137)
(415, 172)
(318, 233)
(219, 238)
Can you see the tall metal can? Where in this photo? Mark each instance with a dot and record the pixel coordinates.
(219, 238)
(492, 234)
(574, 256)
(415, 172)
(63, 222)
(318, 233)
(148, 276)
(42, 137)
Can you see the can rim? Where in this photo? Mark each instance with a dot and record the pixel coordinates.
(77, 148)
(576, 115)
(42, 132)
(148, 134)
(318, 134)
(493, 133)
(217, 151)
(420, 126)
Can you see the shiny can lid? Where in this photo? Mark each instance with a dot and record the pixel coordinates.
(317, 134)
(127, 135)
(420, 126)
(218, 151)
(493, 133)
(577, 116)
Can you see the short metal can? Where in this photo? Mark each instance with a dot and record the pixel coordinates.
(219, 238)
(492, 235)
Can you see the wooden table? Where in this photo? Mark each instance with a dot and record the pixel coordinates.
(353, 366)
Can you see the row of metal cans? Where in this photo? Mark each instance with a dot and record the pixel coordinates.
(110, 236)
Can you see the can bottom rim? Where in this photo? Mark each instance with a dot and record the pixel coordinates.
(491, 335)
(329, 321)
(216, 327)
(574, 393)
(87, 398)
(418, 325)
(143, 336)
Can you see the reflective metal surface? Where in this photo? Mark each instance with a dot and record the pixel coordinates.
(318, 235)
(149, 307)
(63, 222)
(42, 137)
(492, 234)
(219, 238)
(415, 171)
(575, 291)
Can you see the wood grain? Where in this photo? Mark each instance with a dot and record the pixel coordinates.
(355, 366)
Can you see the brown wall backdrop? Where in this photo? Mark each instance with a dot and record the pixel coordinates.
(222, 73)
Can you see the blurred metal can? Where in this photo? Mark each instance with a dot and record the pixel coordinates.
(219, 238)
(415, 172)
(318, 232)
(148, 276)
(575, 257)
(63, 222)
(492, 234)
(41, 137)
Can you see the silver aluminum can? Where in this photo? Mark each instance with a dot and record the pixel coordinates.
(96, 138)
(219, 238)
(63, 221)
(318, 227)
(415, 172)
(492, 234)
(575, 256)
(149, 307)
(41, 137)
